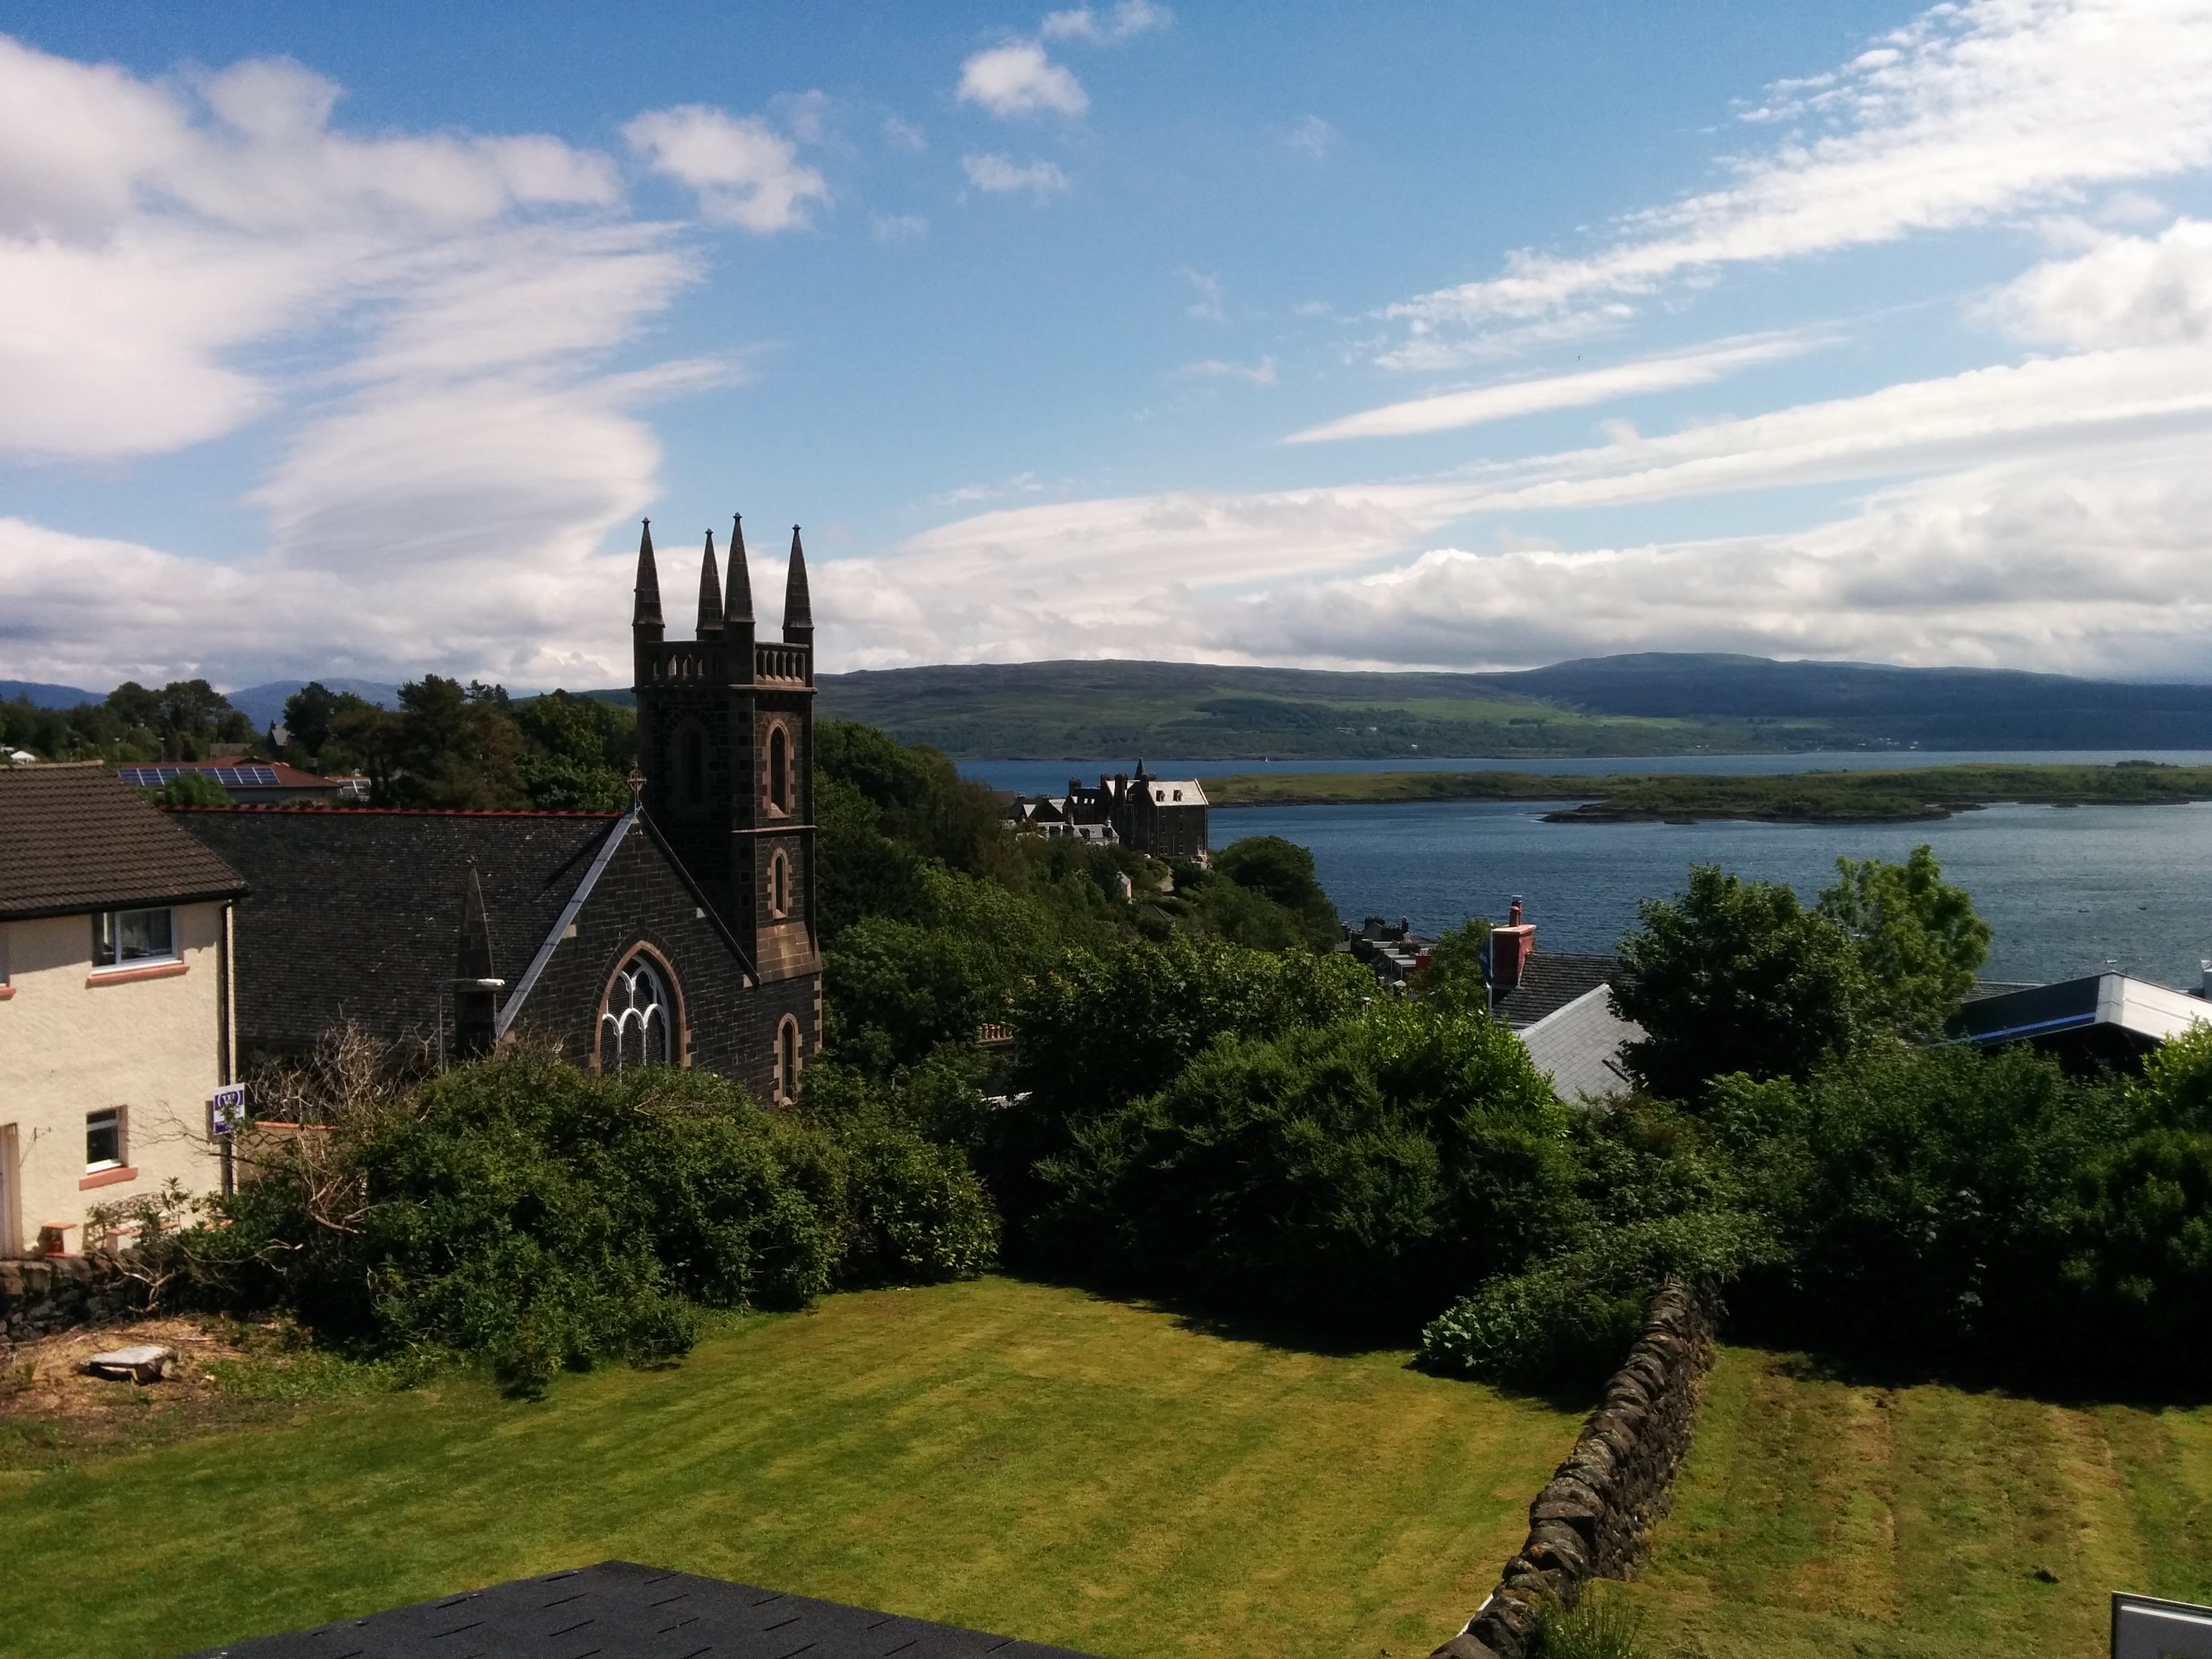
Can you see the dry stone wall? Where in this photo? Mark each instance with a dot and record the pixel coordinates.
(1594, 1515)
(54, 1293)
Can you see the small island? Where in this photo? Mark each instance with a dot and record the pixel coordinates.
(1935, 792)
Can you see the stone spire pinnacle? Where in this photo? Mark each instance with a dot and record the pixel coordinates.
(740, 606)
(647, 612)
(798, 608)
(710, 592)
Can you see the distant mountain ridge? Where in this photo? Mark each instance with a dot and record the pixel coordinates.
(1649, 703)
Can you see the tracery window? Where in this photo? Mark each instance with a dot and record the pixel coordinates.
(638, 1026)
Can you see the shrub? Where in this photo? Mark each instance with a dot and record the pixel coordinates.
(517, 1211)
(1354, 1173)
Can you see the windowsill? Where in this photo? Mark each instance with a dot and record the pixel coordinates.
(126, 975)
(107, 1177)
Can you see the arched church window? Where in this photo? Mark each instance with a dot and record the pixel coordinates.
(787, 1060)
(638, 1026)
(779, 883)
(779, 769)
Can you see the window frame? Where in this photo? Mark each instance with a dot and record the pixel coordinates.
(778, 747)
(107, 938)
(790, 1059)
(122, 1132)
(779, 884)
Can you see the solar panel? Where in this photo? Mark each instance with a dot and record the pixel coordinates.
(230, 777)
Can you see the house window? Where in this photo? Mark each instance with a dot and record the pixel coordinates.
(779, 884)
(103, 1139)
(122, 937)
(638, 1026)
(787, 1060)
(779, 769)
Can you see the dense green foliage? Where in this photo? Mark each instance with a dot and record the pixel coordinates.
(183, 720)
(1356, 1172)
(520, 1210)
(1736, 975)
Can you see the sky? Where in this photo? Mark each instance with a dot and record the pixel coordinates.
(348, 341)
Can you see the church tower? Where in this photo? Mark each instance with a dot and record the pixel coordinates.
(726, 740)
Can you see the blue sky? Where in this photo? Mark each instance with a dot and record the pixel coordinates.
(354, 341)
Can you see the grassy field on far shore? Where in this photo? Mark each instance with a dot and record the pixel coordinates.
(1795, 797)
(1820, 1516)
(1025, 1459)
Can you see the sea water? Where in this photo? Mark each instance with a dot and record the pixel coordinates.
(2066, 891)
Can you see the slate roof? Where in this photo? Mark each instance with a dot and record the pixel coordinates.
(75, 838)
(1579, 1045)
(1549, 983)
(638, 1613)
(380, 892)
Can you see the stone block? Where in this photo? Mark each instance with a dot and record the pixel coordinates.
(146, 1363)
(1464, 1646)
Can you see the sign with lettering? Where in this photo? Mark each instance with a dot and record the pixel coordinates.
(227, 1111)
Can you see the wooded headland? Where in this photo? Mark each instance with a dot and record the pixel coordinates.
(1933, 791)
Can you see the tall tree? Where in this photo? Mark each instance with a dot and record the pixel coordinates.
(1919, 939)
(1735, 975)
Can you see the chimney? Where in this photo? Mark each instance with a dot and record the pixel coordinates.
(1506, 951)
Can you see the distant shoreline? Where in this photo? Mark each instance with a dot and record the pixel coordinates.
(1884, 797)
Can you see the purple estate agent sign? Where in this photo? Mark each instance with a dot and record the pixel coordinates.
(226, 1109)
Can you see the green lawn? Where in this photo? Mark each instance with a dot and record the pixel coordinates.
(1820, 1518)
(1023, 1458)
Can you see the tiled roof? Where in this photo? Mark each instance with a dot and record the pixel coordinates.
(355, 914)
(639, 1612)
(1549, 983)
(76, 838)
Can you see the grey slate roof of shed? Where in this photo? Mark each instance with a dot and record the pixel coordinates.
(1549, 983)
(380, 891)
(76, 838)
(617, 1608)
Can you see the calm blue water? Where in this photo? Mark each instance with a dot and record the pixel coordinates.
(2067, 890)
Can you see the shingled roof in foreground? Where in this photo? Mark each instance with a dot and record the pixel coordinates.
(618, 1607)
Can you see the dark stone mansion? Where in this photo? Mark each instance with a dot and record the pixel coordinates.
(681, 931)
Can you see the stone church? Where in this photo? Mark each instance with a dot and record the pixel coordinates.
(681, 931)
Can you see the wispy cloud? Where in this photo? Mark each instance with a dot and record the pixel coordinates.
(1207, 307)
(1974, 112)
(1312, 135)
(1213, 368)
(1450, 410)
(1122, 21)
(1001, 175)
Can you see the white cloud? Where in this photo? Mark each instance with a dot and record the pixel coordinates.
(1449, 410)
(1976, 111)
(1019, 79)
(905, 135)
(1001, 176)
(1312, 135)
(447, 309)
(1213, 368)
(745, 173)
(898, 227)
(1124, 21)
(1207, 306)
(2128, 290)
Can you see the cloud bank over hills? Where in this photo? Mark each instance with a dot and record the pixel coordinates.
(452, 359)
